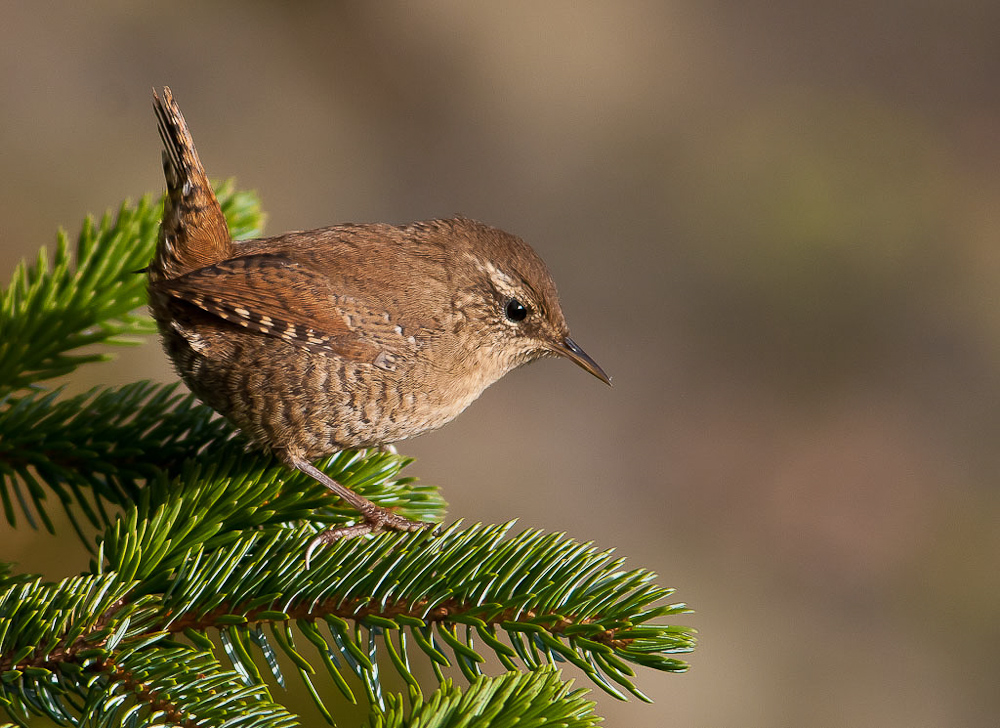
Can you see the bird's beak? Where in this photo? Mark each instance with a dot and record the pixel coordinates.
(568, 348)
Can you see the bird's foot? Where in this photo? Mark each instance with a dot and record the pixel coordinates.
(376, 520)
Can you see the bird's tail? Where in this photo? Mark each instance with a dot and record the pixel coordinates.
(193, 232)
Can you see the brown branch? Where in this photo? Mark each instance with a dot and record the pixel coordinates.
(352, 610)
(145, 694)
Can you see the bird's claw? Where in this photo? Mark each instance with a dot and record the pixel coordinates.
(376, 521)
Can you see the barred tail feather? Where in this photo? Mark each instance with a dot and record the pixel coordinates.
(193, 233)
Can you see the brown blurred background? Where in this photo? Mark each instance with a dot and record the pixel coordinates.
(774, 223)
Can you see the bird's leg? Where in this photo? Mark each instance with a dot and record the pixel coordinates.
(376, 518)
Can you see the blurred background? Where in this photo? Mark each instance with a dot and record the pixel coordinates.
(774, 223)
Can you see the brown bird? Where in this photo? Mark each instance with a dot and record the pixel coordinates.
(349, 336)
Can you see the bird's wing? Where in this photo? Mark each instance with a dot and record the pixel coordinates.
(276, 296)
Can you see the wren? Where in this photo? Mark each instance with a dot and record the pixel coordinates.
(351, 336)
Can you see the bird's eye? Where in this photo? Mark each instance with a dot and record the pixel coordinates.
(515, 310)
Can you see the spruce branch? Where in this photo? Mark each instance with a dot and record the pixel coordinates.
(93, 452)
(555, 600)
(49, 312)
(177, 686)
(213, 504)
(531, 700)
(359, 601)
